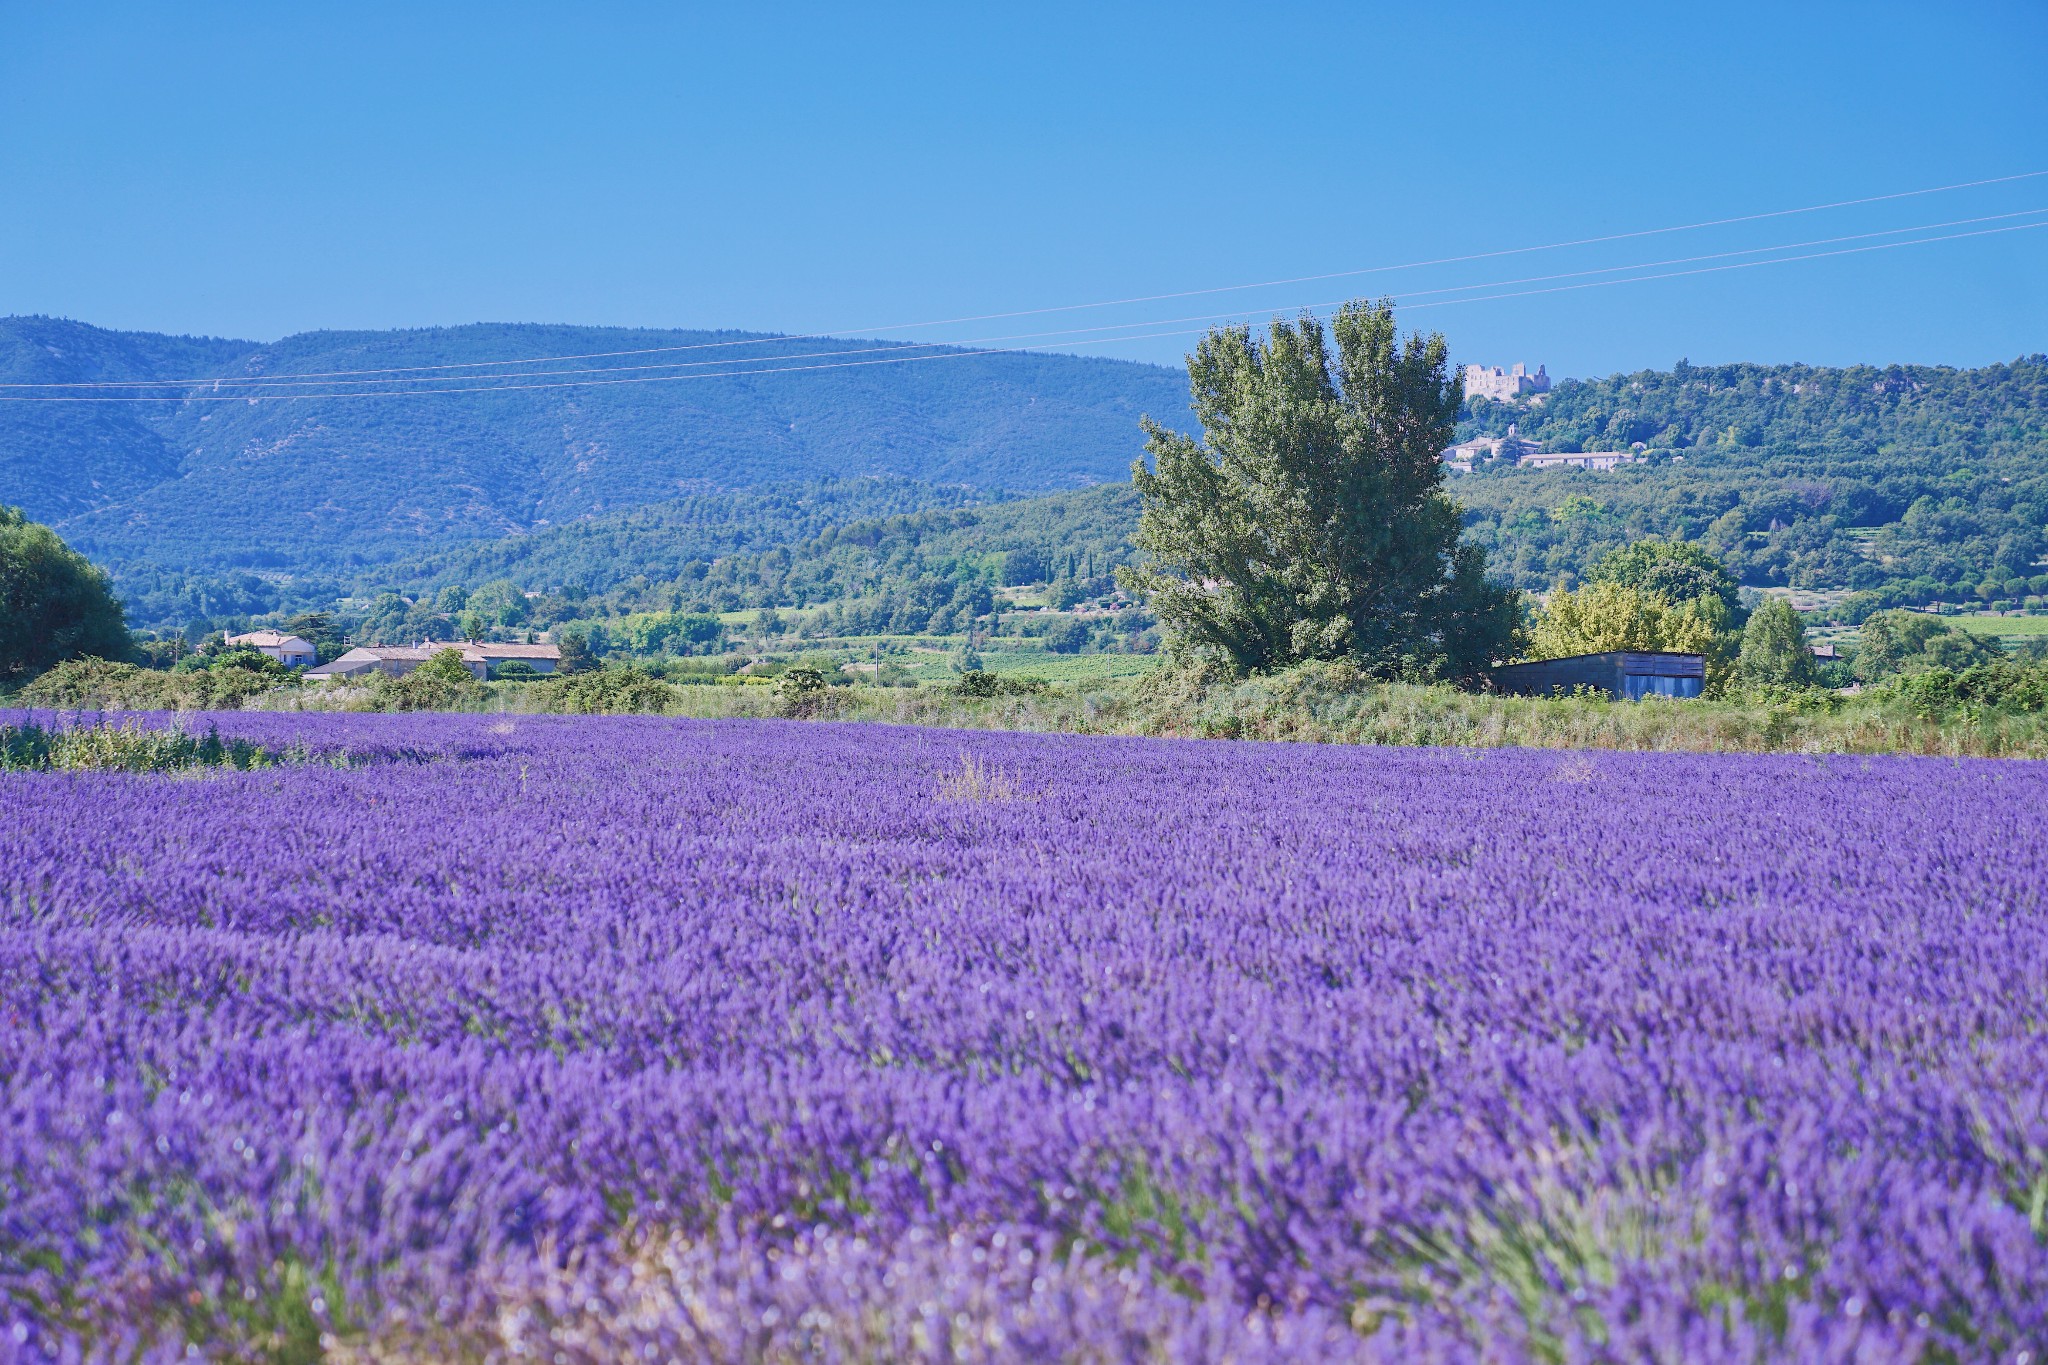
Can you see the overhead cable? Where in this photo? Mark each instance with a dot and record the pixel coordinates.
(299, 381)
(1148, 298)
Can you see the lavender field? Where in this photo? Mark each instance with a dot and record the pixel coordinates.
(581, 1039)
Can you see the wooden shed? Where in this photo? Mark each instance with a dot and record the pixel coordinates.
(1626, 675)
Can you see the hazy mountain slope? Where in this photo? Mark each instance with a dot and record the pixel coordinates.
(309, 483)
(61, 459)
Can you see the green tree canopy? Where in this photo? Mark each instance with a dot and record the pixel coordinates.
(54, 604)
(1673, 570)
(317, 629)
(499, 602)
(1310, 521)
(446, 665)
(1608, 616)
(1774, 651)
(1904, 642)
(1651, 594)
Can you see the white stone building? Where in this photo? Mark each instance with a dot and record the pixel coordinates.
(289, 650)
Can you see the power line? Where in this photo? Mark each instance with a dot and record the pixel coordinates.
(969, 355)
(1073, 332)
(1115, 303)
(1485, 255)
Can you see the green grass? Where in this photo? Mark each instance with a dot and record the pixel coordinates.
(2005, 627)
(1067, 668)
(1331, 704)
(929, 666)
(1325, 703)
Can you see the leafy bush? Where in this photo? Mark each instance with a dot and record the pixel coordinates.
(616, 690)
(1070, 637)
(420, 690)
(977, 682)
(443, 683)
(249, 661)
(2002, 685)
(1905, 642)
(128, 747)
(800, 692)
(119, 686)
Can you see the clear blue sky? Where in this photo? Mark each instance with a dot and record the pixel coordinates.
(254, 170)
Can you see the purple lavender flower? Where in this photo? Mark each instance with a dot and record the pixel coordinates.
(597, 1039)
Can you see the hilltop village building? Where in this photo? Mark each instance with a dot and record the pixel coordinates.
(398, 660)
(289, 650)
(1504, 386)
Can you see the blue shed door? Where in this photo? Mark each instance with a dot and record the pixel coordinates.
(1636, 686)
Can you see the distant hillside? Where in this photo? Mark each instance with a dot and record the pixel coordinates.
(1909, 484)
(1916, 412)
(1904, 485)
(328, 485)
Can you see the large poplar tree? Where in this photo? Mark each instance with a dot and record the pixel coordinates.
(1310, 522)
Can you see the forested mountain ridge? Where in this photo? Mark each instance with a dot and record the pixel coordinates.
(58, 460)
(317, 485)
(1906, 486)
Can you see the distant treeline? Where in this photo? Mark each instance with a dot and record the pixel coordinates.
(1903, 486)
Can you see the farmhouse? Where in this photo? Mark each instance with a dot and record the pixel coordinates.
(398, 660)
(1577, 459)
(1629, 675)
(1509, 448)
(1514, 448)
(289, 650)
